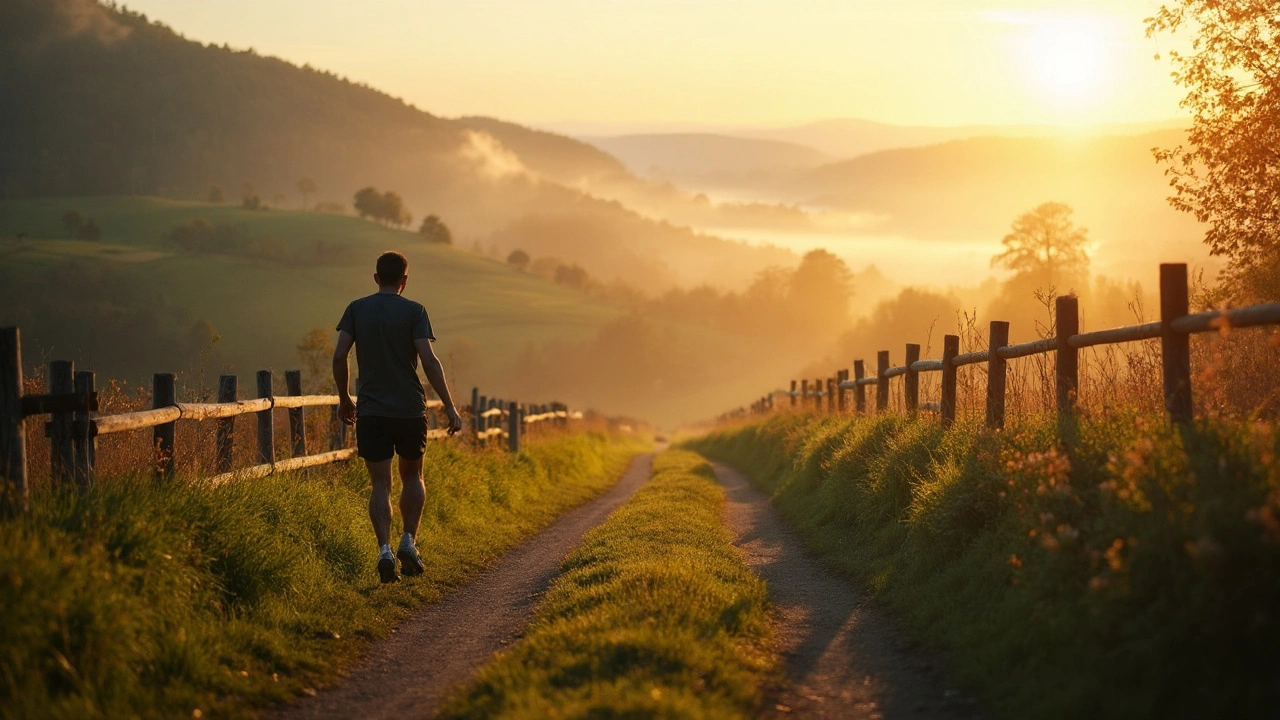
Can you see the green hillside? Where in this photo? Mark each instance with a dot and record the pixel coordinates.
(133, 303)
(100, 100)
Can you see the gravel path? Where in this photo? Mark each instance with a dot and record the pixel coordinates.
(843, 656)
(407, 675)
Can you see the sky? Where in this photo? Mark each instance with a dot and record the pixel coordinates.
(719, 62)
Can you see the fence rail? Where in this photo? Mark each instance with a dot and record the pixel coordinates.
(1174, 329)
(73, 428)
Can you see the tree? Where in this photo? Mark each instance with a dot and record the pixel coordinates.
(819, 292)
(216, 195)
(307, 187)
(368, 203)
(519, 258)
(90, 230)
(394, 211)
(1228, 173)
(1046, 245)
(435, 231)
(572, 276)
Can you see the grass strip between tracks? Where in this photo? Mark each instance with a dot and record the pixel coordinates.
(655, 615)
(144, 599)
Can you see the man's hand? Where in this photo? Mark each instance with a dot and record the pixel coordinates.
(347, 410)
(455, 420)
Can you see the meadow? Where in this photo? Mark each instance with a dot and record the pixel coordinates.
(1130, 574)
(146, 599)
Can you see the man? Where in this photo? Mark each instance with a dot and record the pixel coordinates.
(391, 334)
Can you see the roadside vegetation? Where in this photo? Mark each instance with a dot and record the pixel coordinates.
(1136, 574)
(655, 615)
(149, 600)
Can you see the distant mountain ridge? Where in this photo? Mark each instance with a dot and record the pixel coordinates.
(706, 156)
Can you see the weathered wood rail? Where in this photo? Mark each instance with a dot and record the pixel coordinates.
(1174, 329)
(73, 427)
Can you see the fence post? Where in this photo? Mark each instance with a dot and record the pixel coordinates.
(950, 349)
(859, 391)
(882, 382)
(793, 394)
(804, 393)
(831, 394)
(841, 377)
(513, 427)
(86, 445)
(1175, 347)
(297, 422)
(228, 391)
(911, 381)
(997, 373)
(13, 429)
(163, 395)
(1067, 321)
(62, 454)
(266, 426)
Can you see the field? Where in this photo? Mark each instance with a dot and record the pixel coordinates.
(139, 599)
(297, 271)
(1131, 575)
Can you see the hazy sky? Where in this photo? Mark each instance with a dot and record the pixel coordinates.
(740, 62)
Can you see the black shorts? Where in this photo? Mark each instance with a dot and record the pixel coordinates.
(377, 438)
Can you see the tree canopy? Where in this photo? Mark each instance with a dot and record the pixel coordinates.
(434, 230)
(1228, 172)
(385, 207)
(1045, 245)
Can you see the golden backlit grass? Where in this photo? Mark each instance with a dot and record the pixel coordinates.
(1133, 574)
(146, 599)
(655, 615)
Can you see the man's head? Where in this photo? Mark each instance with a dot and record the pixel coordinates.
(391, 271)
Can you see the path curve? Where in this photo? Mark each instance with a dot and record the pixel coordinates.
(408, 674)
(844, 658)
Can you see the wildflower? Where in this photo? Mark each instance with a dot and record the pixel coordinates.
(1098, 582)
(1015, 561)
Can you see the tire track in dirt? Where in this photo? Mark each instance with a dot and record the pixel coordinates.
(408, 674)
(844, 656)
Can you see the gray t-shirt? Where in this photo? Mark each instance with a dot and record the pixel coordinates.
(385, 327)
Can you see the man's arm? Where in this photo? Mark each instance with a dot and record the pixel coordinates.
(342, 377)
(435, 375)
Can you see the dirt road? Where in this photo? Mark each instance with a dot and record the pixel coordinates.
(843, 656)
(407, 675)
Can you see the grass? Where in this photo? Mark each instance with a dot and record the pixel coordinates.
(655, 615)
(1136, 574)
(173, 600)
(262, 307)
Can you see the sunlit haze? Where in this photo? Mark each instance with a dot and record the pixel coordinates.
(720, 62)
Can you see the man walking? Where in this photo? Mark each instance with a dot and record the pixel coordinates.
(391, 334)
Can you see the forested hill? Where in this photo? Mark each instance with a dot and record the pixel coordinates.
(103, 101)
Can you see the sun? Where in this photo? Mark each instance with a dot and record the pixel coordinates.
(1068, 59)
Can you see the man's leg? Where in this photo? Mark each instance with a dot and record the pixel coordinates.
(412, 494)
(412, 497)
(380, 499)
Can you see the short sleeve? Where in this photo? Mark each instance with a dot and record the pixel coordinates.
(347, 323)
(422, 327)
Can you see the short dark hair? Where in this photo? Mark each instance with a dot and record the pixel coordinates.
(391, 267)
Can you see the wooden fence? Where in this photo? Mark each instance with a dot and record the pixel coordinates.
(1174, 330)
(71, 402)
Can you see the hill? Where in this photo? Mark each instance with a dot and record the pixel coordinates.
(699, 158)
(102, 101)
(133, 303)
(973, 189)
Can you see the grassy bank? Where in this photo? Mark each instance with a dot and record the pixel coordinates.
(1137, 575)
(655, 616)
(138, 600)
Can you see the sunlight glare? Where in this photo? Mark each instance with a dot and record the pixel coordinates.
(1068, 59)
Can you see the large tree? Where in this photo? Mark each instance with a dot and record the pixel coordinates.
(1228, 172)
(1046, 246)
